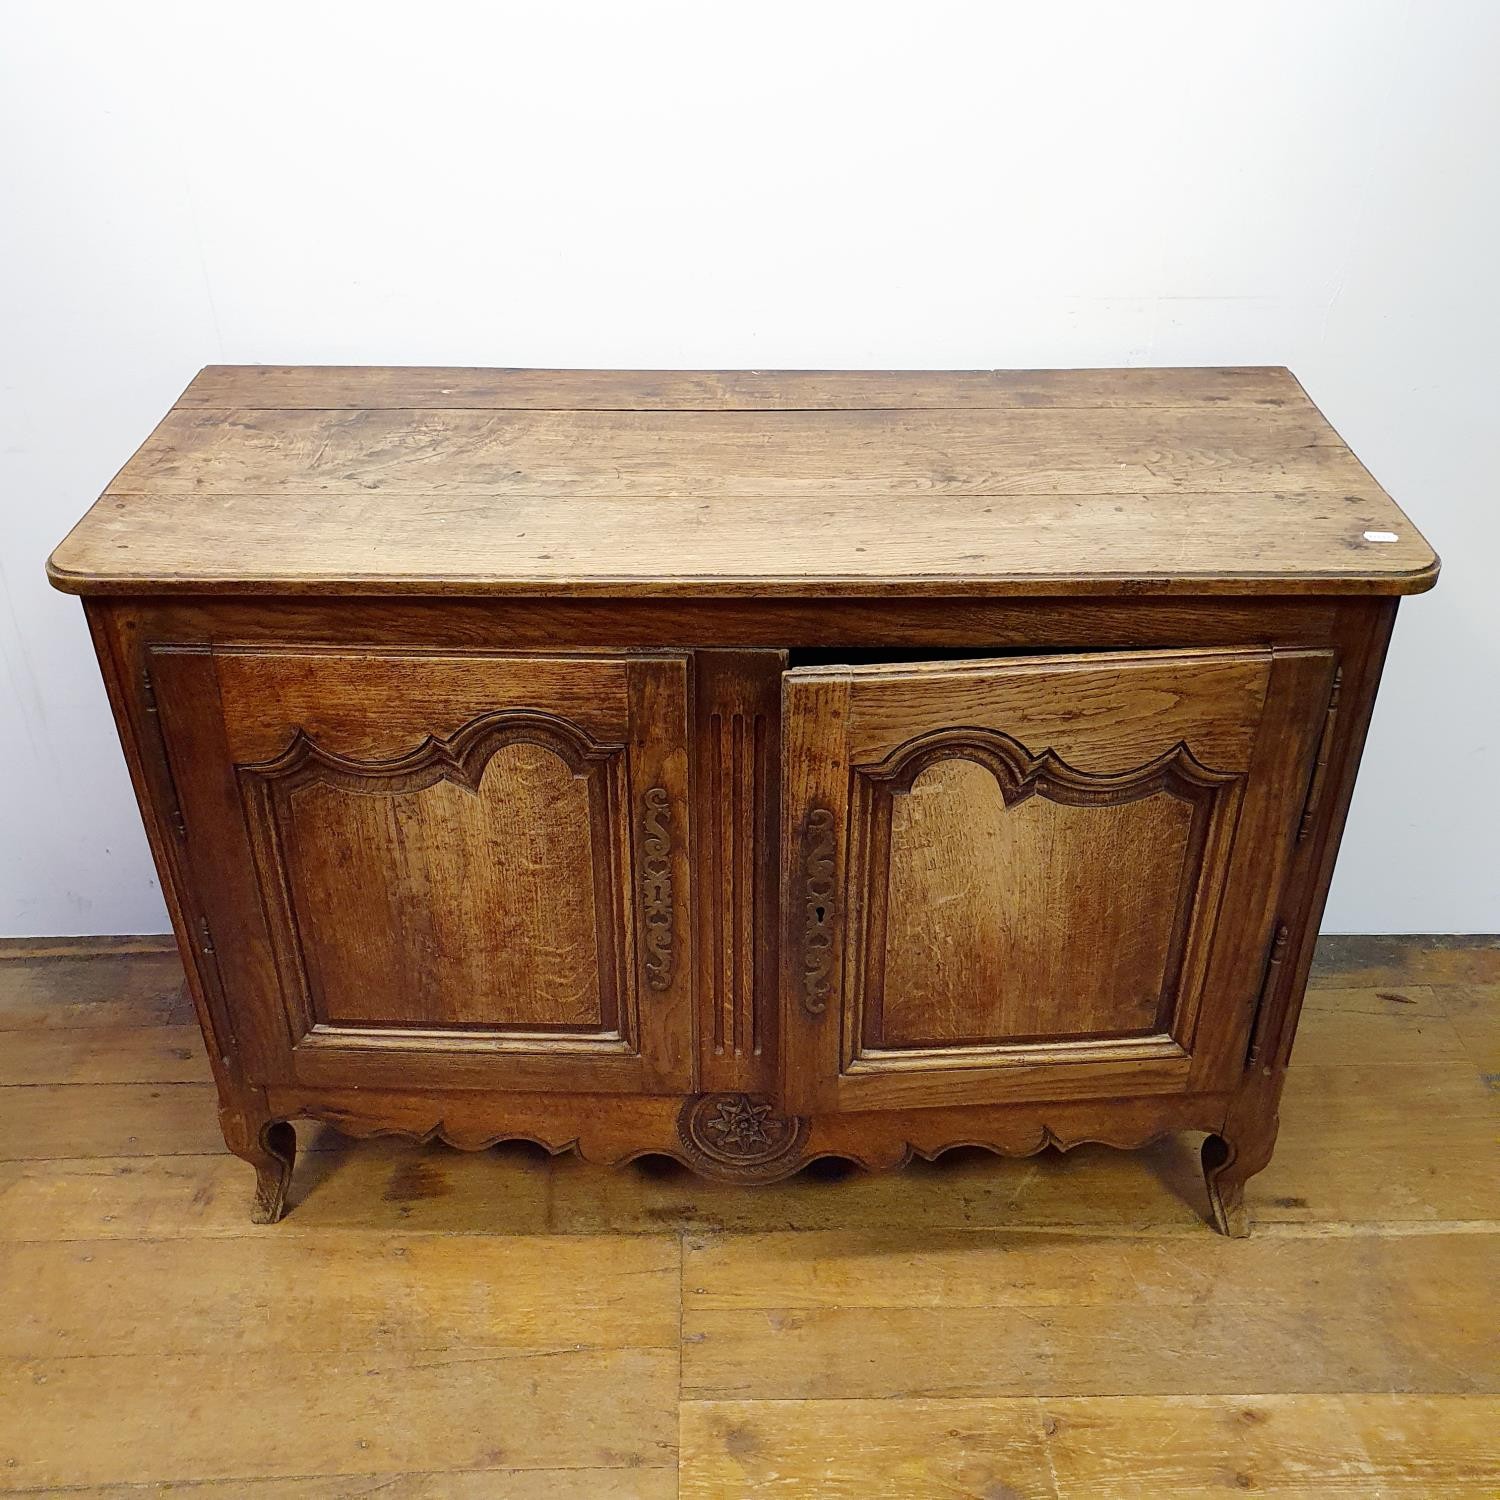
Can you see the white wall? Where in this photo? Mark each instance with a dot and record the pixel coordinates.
(1302, 182)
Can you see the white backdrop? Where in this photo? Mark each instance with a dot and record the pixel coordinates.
(1301, 182)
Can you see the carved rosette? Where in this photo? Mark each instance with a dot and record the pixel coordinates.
(741, 1137)
(656, 886)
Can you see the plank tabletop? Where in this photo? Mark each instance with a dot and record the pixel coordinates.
(321, 480)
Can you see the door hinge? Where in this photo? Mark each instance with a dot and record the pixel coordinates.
(1260, 1022)
(1320, 766)
(223, 1032)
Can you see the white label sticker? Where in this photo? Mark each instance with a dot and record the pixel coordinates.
(1381, 536)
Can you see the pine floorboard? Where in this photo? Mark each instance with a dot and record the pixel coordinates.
(428, 1323)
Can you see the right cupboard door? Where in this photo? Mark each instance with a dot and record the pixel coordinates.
(1043, 877)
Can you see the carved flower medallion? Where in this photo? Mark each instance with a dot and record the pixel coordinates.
(739, 1132)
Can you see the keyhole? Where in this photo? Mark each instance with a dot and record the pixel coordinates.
(818, 912)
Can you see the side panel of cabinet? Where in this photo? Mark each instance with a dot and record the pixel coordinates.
(441, 870)
(1050, 877)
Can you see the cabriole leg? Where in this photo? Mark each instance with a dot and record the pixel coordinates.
(1240, 1149)
(270, 1146)
(1226, 1188)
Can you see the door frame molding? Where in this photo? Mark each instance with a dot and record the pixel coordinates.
(648, 1048)
(825, 1065)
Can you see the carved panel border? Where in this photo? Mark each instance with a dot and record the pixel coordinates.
(1213, 796)
(460, 757)
(269, 787)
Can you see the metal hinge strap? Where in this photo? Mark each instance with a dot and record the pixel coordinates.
(1320, 766)
(1260, 1023)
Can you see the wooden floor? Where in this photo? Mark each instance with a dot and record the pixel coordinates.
(429, 1324)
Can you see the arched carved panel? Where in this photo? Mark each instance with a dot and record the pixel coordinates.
(469, 883)
(1011, 897)
(460, 757)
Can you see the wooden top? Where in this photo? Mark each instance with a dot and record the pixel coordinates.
(310, 480)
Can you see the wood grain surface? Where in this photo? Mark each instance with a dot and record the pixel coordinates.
(448, 1324)
(355, 387)
(1035, 870)
(285, 481)
(961, 963)
(437, 854)
(450, 906)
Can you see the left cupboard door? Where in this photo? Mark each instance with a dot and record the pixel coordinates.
(438, 870)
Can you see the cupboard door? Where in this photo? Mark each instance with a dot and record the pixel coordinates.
(440, 870)
(1044, 877)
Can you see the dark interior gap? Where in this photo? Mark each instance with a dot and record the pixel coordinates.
(866, 656)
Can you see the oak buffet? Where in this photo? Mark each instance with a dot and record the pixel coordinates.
(746, 767)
